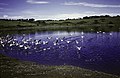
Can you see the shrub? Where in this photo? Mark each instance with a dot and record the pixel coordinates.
(81, 22)
(110, 22)
(96, 22)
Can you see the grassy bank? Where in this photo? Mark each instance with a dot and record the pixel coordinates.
(14, 68)
(94, 23)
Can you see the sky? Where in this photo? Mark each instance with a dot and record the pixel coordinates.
(57, 9)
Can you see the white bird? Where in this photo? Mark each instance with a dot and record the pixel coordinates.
(79, 48)
(15, 39)
(7, 35)
(44, 49)
(54, 43)
(23, 34)
(35, 48)
(1, 42)
(11, 45)
(82, 37)
(25, 42)
(91, 29)
(61, 40)
(68, 42)
(49, 38)
(97, 32)
(45, 42)
(30, 39)
(9, 41)
(71, 34)
(3, 45)
(26, 47)
(13, 42)
(48, 48)
(110, 33)
(57, 38)
(76, 41)
(20, 46)
(103, 32)
(82, 33)
(32, 42)
(37, 42)
(16, 44)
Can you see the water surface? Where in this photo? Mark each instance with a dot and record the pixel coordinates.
(96, 51)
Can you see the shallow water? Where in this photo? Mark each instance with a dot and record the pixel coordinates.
(96, 51)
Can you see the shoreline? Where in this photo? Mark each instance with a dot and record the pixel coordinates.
(99, 23)
(14, 68)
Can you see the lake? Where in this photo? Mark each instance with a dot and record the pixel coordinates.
(98, 51)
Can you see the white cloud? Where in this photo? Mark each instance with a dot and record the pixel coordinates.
(79, 15)
(70, 16)
(5, 9)
(28, 12)
(11, 17)
(5, 16)
(74, 15)
(1, 8)
(57, 16)
(90, 4)
(36, 2)
(3, 4)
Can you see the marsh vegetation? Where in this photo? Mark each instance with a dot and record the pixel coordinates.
(93, 23)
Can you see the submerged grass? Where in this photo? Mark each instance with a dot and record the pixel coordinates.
(14, 68)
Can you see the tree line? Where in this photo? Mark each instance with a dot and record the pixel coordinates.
(42, 21)
(24, 20)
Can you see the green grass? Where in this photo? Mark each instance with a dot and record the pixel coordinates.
(106, 20)
(15, 24)
(95, 24)
(14, 68)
